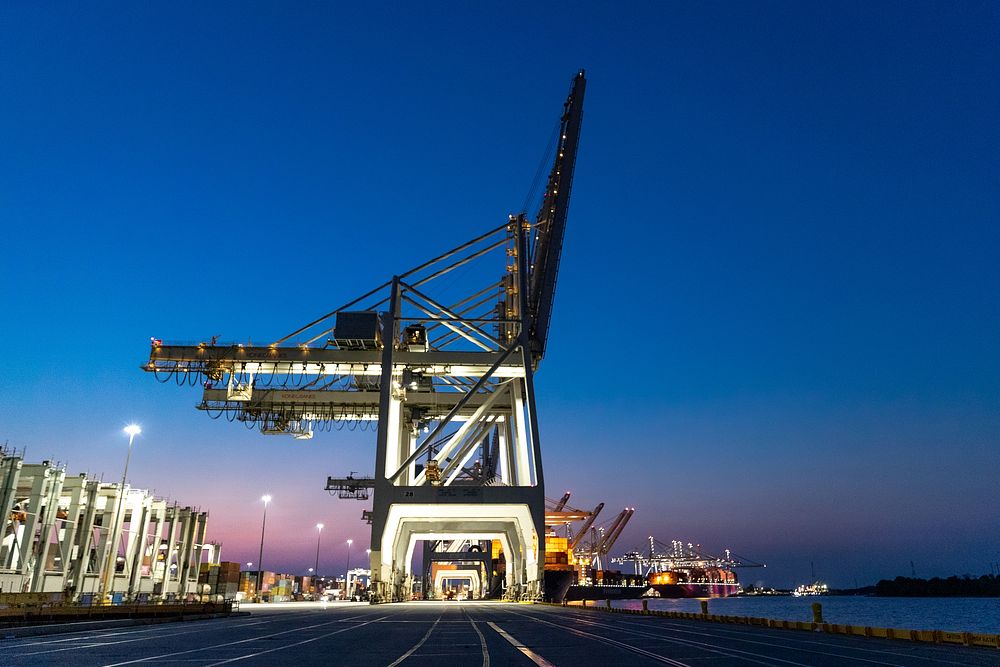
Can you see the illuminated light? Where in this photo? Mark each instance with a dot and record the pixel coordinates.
(319, 526)
(132, 430)
(266, 498)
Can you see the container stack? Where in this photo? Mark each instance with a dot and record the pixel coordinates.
(283, 588)
(229, 580)
(222, 580)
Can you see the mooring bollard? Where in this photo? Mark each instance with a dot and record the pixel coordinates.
(704, 607)
(817, 612)
(645, 606)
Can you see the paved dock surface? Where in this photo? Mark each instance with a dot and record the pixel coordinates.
(466, 633)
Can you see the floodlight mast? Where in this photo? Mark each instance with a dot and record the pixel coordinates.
(445, 367)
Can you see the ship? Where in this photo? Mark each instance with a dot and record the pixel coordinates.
(685, 570)
(817, 588)
(576, 549)
(578, 565)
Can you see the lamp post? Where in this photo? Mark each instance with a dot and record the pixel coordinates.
(319, 533)
(347, 576)
(260, 556)
(108, 581)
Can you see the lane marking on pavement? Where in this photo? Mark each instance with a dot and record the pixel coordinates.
(611, 642)
(482, 639)
(690, 643)
(830, 643)
(534, 657)
(85, 642)
(157, 629)
(415, 646)
(233, 643)
(758, 642)
(288, 646)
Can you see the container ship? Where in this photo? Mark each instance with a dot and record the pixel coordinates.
(578, 565)
(575, 554)
(685, 570)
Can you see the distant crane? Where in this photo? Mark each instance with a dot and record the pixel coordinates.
(678, 555)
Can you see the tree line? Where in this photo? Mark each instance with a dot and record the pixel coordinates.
(987, 585)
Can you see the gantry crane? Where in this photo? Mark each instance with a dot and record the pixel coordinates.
(442, 358)
(678, 555)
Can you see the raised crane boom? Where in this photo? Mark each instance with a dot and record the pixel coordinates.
(550, 224)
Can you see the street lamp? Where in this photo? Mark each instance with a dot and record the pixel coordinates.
(260, 557)
(347, 577)
(319, 533)
(108, 581)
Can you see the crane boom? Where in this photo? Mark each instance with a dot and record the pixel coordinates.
(612, 529)
(562, 502)
(550, 224)
(586, 526)
(610, 540)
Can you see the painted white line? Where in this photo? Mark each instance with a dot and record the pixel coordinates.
(783, 646)
(612, 642)
(288, 646)
(233, 643)
(531, 655)
(415, 646)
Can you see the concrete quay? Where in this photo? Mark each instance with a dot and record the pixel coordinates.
(477, 634)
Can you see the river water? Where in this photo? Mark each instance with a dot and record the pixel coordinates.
(956, 614)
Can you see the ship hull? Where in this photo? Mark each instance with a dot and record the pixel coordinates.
(560, 586)
(700, 590)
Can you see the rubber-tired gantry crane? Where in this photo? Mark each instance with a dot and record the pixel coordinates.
(444, 365)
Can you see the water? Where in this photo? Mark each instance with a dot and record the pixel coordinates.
(955, 614)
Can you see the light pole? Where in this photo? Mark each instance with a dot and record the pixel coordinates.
(108, 581)
(260, 556)
(347, 577)
(319, 533)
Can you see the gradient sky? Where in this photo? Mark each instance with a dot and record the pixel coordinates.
(778, 319)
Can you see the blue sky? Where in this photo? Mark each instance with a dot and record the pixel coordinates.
(782, 252)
